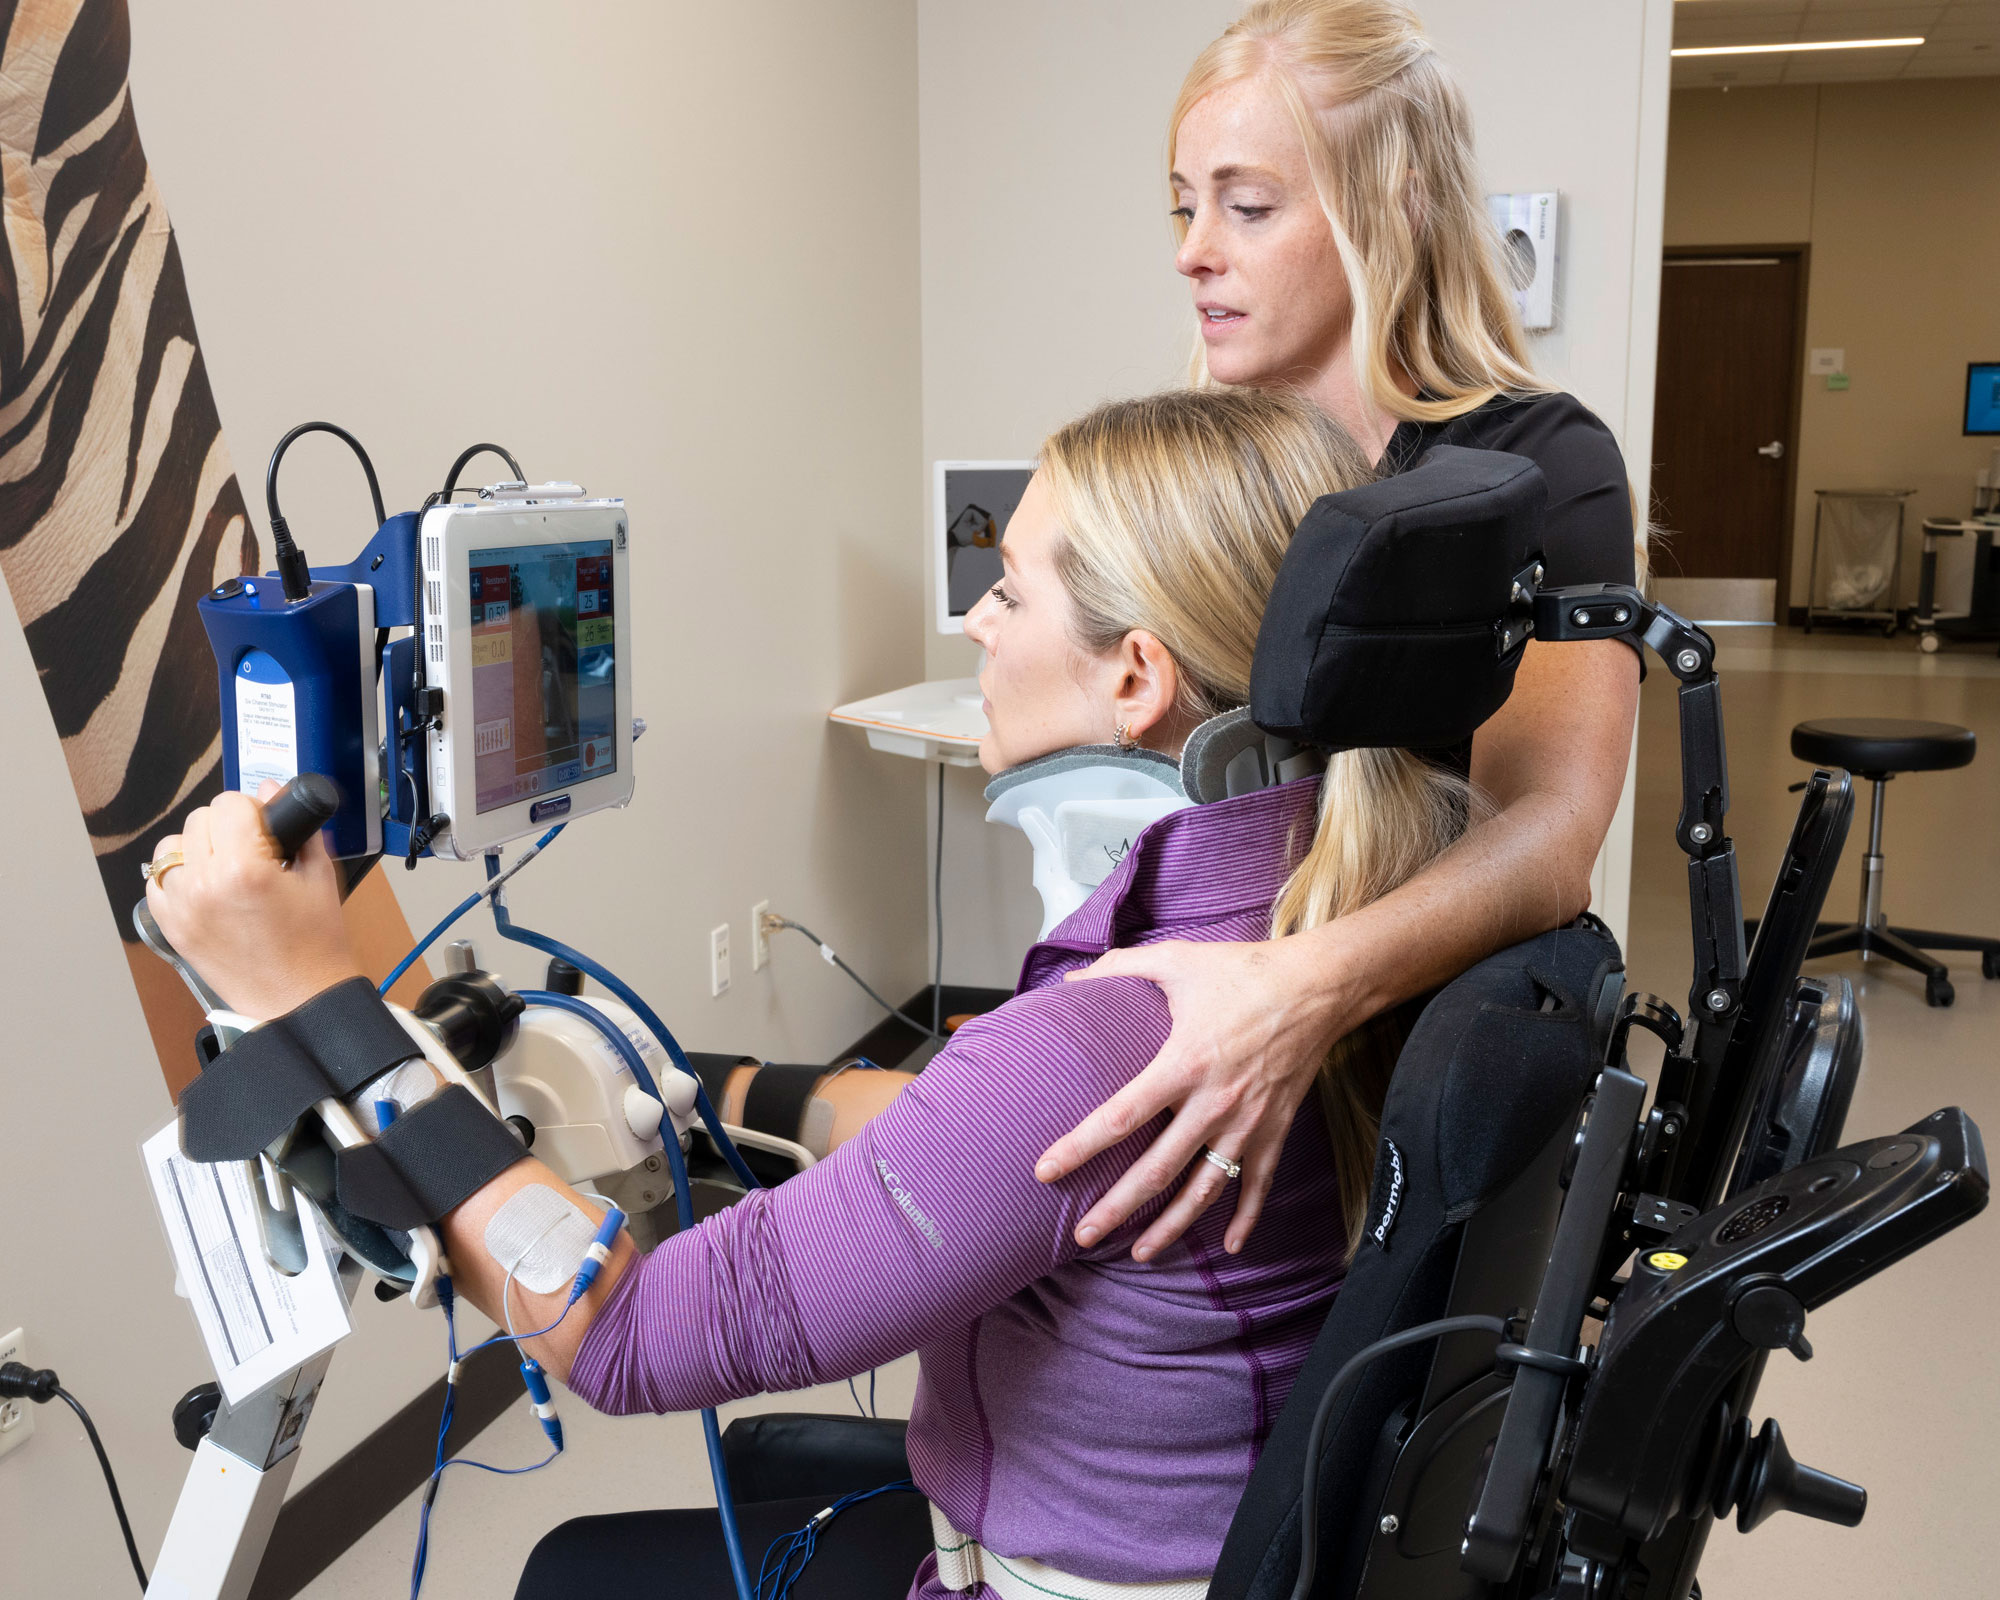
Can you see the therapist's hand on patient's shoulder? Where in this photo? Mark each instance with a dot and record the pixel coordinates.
(265, 934)
(1251, 1025)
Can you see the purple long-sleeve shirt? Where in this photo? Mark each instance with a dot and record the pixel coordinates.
(1072, 1405)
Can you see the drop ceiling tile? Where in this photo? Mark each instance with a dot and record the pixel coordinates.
(1982, 25)
(1830, 68)
(1738, 72)
(1983, 66)
(1928, 11)
(1732, 30)
(1957, 50)
(1686, 10)
(1874, 22)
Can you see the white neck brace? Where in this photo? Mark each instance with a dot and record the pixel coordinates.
(1081, 809)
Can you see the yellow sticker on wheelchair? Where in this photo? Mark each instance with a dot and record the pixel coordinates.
(1666, 1260)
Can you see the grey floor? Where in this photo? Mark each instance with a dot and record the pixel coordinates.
(1903, 1394)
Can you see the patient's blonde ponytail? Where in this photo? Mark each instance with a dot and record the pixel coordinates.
(1174, 512)
(1384, 815)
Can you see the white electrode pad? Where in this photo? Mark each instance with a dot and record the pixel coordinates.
(408, 1086)
(542, 1235)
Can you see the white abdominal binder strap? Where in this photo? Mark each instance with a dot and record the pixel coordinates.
(963, 1562)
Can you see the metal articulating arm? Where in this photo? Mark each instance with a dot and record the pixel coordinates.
(1693, 1169)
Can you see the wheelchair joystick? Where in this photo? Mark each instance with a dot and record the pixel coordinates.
(1761, 1477)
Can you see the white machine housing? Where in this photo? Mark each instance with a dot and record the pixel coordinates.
(512, 517)
(591, 1119)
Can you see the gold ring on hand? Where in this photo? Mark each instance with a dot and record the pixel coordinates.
(156, 869)
(1216, 1159)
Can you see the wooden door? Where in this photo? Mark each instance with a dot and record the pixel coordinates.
(1725, 414)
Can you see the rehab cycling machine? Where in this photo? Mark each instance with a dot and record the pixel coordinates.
(1537, 1380)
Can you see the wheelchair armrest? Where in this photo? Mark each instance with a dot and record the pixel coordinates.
(786, 1455)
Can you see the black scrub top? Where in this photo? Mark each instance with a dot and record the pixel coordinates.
(1588, 534)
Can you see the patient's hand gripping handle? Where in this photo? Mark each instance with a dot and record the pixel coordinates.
(292, 816)
(299, 810)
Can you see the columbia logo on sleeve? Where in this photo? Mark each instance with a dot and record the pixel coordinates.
(910, 1208)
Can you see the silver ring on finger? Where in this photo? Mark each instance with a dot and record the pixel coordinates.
(1216, 1159)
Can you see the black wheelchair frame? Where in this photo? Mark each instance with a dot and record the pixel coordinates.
(1641, 1264)
(1535, 1383)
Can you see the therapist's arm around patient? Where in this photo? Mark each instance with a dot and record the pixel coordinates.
(1336, 243)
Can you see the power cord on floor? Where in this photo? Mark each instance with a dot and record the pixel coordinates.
(773, 923)
(937, 921)
(19, 1381)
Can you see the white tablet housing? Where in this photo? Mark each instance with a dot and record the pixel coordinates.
(970, 504)
(527, 629)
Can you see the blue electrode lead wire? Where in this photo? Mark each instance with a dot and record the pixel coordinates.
(509, 929)
(464, 906)
(669, 1138)
(725, 1505)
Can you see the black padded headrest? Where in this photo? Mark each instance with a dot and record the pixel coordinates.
(1385, 625)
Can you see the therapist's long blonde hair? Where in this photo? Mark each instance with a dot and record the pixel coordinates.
(1173, 514)
(1388, 141)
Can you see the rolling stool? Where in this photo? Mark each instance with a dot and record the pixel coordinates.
(1877, 748)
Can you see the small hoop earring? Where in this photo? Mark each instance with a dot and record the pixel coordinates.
(1124, 738)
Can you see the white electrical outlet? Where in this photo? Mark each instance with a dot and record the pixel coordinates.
(760, 937)
(17, 1417)
(718, 960)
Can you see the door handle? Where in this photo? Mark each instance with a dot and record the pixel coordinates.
(1775, 449)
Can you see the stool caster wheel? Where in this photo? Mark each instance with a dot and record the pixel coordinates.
(1928, 644)
(1939, 992)
(1989, 964)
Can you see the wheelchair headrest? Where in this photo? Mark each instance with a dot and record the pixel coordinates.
(1387, 623)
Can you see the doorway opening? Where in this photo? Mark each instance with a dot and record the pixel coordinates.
(1726, 427)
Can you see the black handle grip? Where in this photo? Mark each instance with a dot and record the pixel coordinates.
(300, 809)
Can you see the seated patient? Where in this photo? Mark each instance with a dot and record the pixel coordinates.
(1078, 1413)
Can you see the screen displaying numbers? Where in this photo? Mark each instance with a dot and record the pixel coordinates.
(544, 669)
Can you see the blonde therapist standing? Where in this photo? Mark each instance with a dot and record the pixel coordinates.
(1335, 241)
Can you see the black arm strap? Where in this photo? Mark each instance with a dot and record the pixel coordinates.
(775, 1102)
(426, 1161)
(257, 1088)
(713, 1067)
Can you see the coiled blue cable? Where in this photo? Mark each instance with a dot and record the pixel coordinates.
(509, 929)
(725, 1505)
(464, 906)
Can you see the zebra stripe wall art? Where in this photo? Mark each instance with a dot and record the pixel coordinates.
(119, 505)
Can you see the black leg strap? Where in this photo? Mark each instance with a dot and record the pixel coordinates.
(257, 1088)
(713, 1067)
(426, 1161)
(775, 1102)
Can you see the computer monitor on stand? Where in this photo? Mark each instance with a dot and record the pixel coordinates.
(970, 504)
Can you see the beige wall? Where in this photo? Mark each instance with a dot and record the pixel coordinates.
(672, 251)
(1049, 283)
(1896, 187)
(668, 250)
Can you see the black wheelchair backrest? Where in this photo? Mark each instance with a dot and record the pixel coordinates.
(1480, 1109)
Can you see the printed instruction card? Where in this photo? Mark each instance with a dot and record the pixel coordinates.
(258, 1322)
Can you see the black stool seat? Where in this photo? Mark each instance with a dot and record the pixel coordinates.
(1877, 748)
(1868, 745)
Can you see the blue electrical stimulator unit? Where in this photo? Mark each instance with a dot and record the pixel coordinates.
(298, 695)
